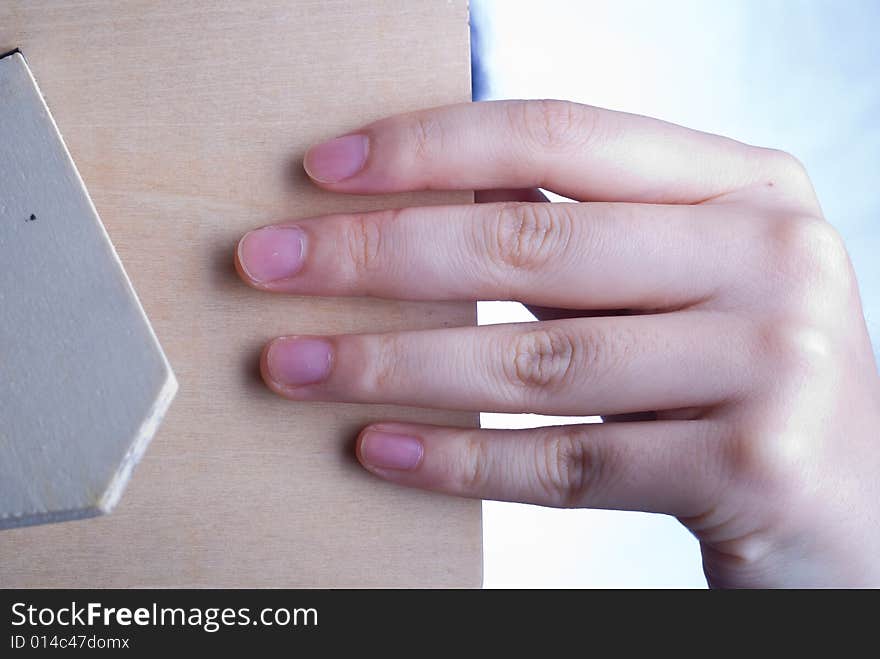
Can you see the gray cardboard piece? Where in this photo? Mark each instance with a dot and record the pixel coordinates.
(83, 380)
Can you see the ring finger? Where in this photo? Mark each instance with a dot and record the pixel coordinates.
(605, 365)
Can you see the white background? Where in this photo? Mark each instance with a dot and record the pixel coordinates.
(800, 75)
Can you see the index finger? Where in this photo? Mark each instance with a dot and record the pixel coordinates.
(579, 151)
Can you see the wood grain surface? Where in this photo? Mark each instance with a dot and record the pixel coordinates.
(188, 121)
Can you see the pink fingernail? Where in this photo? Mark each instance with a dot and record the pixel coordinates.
(390, 451)
(272, 253)
(337, 159)
(295, 362)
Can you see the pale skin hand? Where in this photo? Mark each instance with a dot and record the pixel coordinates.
(741, 349)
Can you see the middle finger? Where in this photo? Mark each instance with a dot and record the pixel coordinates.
(577, 256)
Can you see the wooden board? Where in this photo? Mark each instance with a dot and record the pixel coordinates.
(188, 121)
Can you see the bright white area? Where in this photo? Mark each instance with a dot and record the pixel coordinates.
(799, 75)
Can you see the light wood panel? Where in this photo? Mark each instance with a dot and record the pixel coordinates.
(188, 121)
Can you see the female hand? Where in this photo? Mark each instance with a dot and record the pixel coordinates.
(701, 303)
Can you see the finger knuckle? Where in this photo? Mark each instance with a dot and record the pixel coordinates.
(475, 464)
(786, 169)
(810, 258)
(364, 237)
(426, 135)
(568, 468)
(382, 371)
(769, 458)
(526, 236)
(540, 358)
(774, 463)
(552, 125)
(796, 348)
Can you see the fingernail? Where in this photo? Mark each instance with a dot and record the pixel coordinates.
(337, 159)
(272, 253)
(387, 450)
(296, 362)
